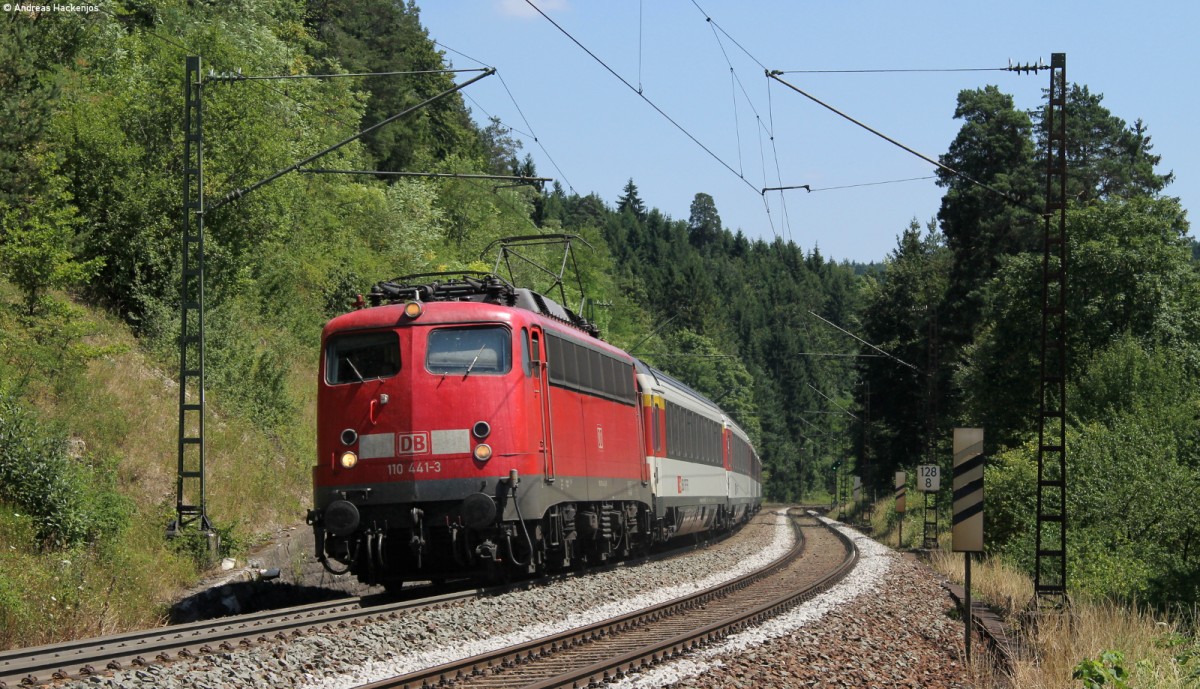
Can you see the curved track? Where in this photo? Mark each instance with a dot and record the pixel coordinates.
(628, 643)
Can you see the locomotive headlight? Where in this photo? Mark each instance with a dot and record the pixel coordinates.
(413, 309)
(348, 460)
(483, 452)
(481, 429)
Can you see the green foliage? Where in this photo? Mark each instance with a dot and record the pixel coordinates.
(704, 224)
(903, 303)
(629, 200)
(244, 365)
(195, 544)
(720, 377)
(26, 101)
(36, 243)
(1106, 671)
(1130, 273)
(994, 147)
(1133, 480)
(70, 500)
(1140, 454)
(1106, 158)
(1010, 480)
(386, 36)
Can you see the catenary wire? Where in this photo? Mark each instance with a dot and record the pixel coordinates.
(716, 27)
(775, 75)
(892, 71)
(873, 184)
(562, 175)
(631, 87)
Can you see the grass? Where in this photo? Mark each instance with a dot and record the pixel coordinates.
(82, 371)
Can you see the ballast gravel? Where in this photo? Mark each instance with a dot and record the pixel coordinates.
(850, 636)
(845, 637)
(360, 655)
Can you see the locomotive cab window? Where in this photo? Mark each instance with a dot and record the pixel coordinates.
(360, 357)
(469, 351)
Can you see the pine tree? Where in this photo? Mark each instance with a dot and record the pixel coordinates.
(704, 224)
(629, 200)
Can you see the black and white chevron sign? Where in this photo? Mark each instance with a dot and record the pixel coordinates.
(967, 529)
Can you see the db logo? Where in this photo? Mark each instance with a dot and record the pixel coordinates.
(414, 443)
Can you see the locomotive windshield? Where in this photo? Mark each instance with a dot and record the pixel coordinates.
(469, 350)
(361, 356)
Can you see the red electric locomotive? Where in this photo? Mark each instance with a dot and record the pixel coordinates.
(467, 427)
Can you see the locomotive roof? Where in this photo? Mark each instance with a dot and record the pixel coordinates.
(475, 286)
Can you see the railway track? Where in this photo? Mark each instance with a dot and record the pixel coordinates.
(85, 657)
(629, 643)
(26, 667)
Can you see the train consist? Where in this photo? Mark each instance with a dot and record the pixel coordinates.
(467, 427)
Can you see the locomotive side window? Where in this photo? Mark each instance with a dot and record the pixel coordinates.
(469, 351)
(554, 352)
(361, 356)
(525, 363)
(589, 371)
(537, 355)
(595, 377)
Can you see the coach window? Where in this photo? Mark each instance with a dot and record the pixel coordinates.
(361, 357)
(655, 428)
(469, 351)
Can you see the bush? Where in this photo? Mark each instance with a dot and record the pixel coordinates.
(193, 544)
(70, 501)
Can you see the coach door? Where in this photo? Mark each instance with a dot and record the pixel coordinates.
(540, 388)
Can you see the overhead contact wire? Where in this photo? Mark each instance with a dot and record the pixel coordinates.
(457, 52)
(641, 24)
(873, 184)
(731, 38)
(734, 82)
(631, 87)
(775, 75)
(778, 170)
(716, 27)
(891, 71)
(536, 140)
(520, 112)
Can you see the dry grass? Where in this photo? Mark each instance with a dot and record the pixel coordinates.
(1003, 586)
(1060, 642)
(1057, 643)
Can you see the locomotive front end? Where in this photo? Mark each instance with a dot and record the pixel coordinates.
(423, 437)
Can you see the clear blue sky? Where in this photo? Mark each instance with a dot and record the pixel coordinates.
(600, 133)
